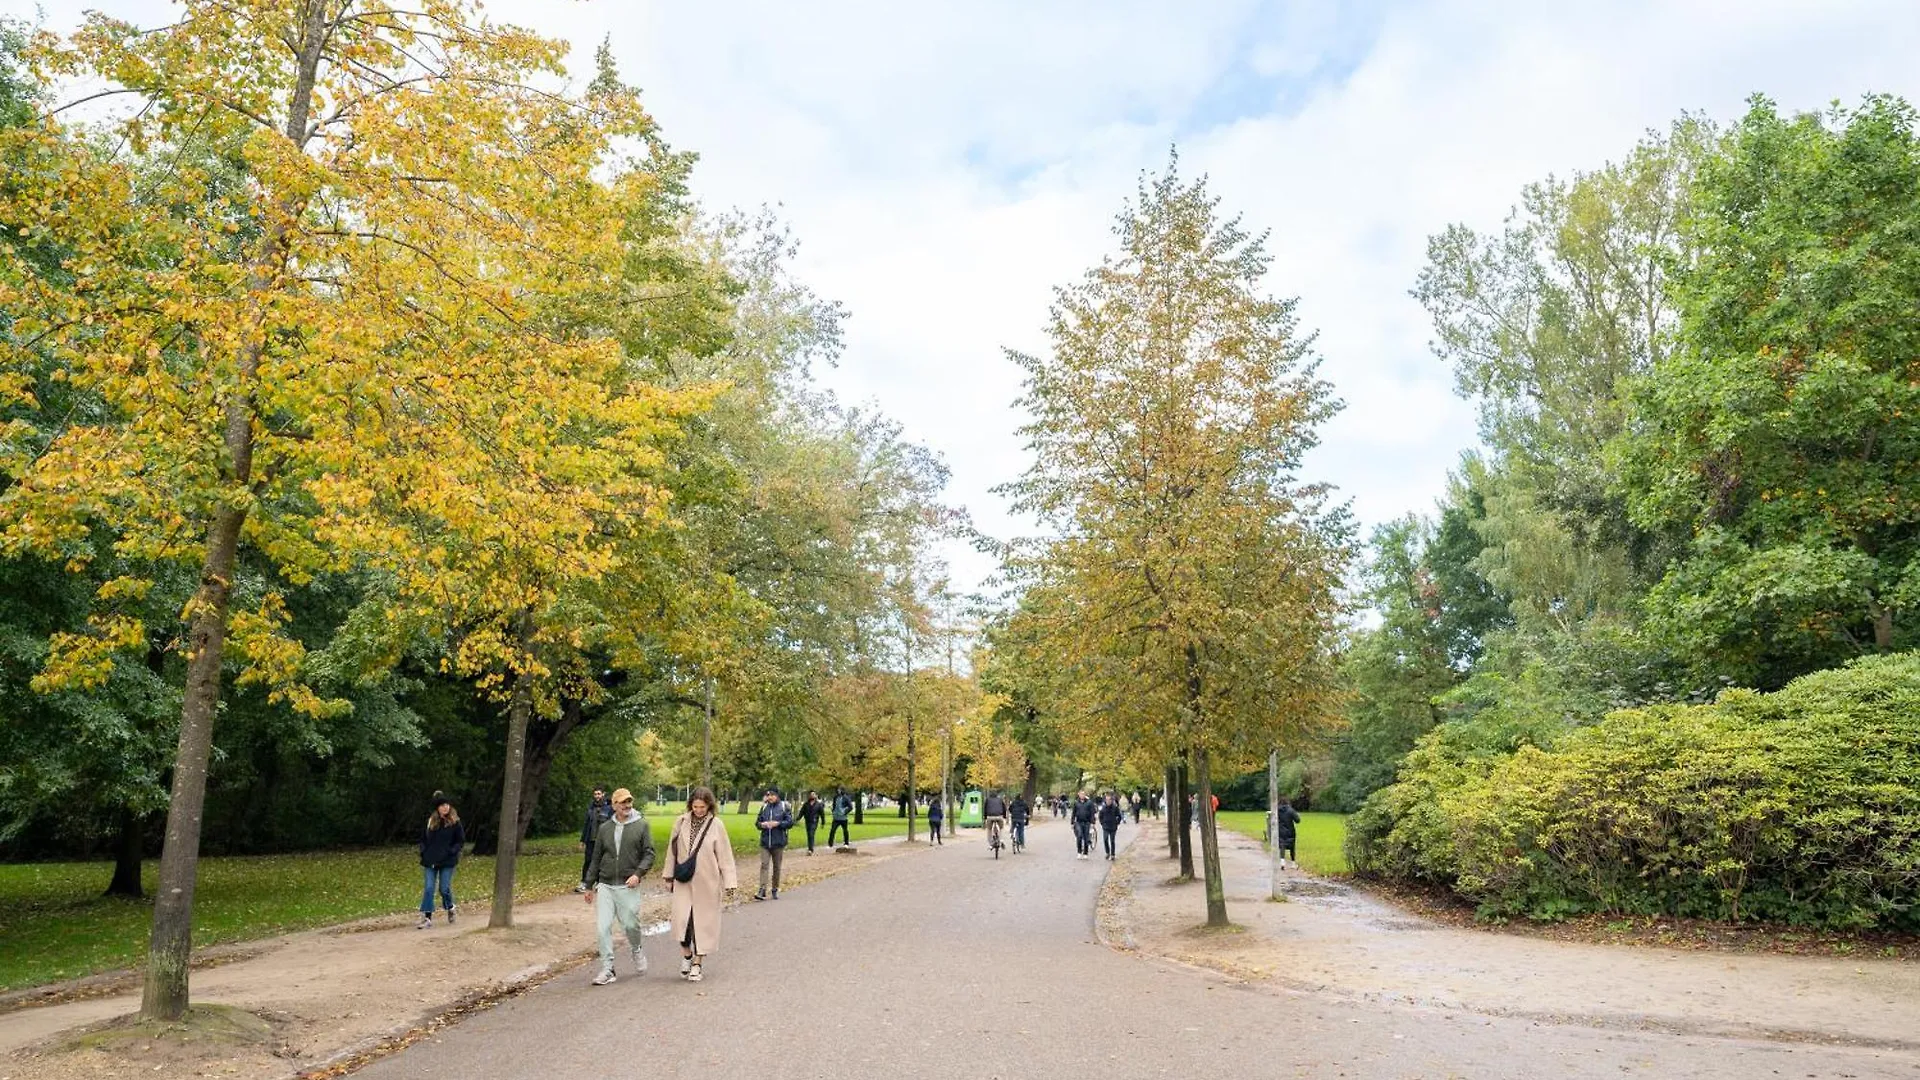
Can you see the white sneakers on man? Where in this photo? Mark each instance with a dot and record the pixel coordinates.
(639, 961)
(606, 976)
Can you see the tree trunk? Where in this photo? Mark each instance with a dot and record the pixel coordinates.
(544, 740)
(907, 804)
(1031, 789)
(170, 948)
(513, 779)
(1882, 626)
(1273, 824)
(1209, 840)
(1173, 819)
(1186, 826)
(126, 857)
(859, 808)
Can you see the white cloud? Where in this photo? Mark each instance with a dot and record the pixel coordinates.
(945, 165)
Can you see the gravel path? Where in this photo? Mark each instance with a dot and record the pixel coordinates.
(949, 964)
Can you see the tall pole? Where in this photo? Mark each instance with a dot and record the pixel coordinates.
(946, 745)
(910, 744)
(1273, 823)
(706, 742)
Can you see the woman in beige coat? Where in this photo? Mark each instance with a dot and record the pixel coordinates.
(699, 834)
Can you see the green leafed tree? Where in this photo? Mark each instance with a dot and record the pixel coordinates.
(1782, 435)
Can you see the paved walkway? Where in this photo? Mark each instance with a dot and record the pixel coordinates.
(1336, 941)
(950, 964)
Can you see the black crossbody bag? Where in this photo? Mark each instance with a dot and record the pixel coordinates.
(683, 871)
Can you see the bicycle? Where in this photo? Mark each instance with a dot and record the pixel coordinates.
(1019, 839)
(993, 836)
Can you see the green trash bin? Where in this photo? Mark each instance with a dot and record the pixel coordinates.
(971, 816)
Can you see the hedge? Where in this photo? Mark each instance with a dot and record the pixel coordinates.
(1800, 806)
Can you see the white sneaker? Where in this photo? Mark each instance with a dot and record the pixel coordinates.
(639, 961)
(693, 973)
(606, 976)
(686, 965)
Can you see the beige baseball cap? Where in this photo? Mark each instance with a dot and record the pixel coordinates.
(621, 795)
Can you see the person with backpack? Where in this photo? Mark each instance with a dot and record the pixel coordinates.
(842, 807)
(811, 812)
(1110, 818)
(1286, 818)
(598, 811)
(623, 853)
(440, 845)
(701, 876)
(774, 821)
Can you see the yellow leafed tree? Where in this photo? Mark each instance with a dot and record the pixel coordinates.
(326, 277)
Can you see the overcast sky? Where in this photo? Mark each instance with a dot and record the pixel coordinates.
(945, 165)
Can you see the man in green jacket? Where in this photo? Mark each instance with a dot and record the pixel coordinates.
(622, 855)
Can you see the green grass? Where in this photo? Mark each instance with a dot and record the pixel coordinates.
(1321, 838)
(56, 925)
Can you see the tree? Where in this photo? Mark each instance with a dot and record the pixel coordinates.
(319, 364)
(1782, 434)
(1187, 594)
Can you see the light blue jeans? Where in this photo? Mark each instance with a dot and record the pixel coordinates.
(442, 878)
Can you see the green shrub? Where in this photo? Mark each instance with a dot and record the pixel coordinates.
(1801, 806)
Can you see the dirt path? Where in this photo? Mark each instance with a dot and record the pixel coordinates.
(332, 991)
(1336, 942)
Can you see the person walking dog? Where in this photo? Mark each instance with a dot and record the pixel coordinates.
(440, 845)
(774, 821)
(598, 811)
(623, 853)
(702, 873)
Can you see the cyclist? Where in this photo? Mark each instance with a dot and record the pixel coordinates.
(1019, 814)
(994, 811)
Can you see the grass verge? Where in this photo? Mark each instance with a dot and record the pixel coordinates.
(57, 926)
(1321, 838)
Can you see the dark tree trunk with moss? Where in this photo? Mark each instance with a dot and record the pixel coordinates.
(1173, 818)
(513, 780)
(1186, 824)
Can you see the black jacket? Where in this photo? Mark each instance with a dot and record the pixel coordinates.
(993, 806)
(440, 848)
(1289, 817)
(812, 811)
(1019, 813)
(782, 819)
(1110, 816)
(1084, 811)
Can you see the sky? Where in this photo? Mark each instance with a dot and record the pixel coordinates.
(945, 165)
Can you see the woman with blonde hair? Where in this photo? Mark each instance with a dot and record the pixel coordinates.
(700, 872)
(440, 845)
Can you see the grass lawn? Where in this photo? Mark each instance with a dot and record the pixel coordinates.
(56, 925)
(1321, 837)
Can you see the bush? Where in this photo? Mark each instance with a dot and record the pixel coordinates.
(1799, 806)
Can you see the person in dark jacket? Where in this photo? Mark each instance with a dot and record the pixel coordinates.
(623, 853)
(440, 845)
(1110, 818)
(1084, 812)
(774, 821)
(1285, 818)
(842, 807)
(935, 815)
(811, 813)
(1018, 814)
(598, 811)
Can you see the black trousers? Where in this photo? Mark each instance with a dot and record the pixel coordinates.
(841, 827)
(934, 824)
(586, 865)
(812, 827)
(1106, 838)
(1082, 837)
